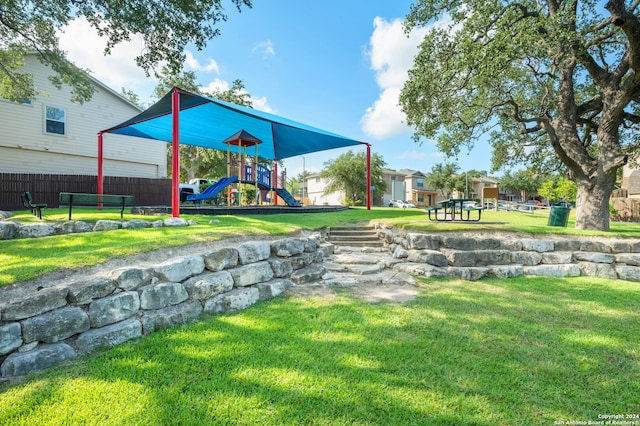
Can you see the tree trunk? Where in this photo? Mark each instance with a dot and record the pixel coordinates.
(592, 201)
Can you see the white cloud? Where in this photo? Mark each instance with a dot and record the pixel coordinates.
(216, 85)
(117, 70)
(219, 85)
(391, 54)
(262, 104)
(384, 118)
(195, 65)
(266, 47)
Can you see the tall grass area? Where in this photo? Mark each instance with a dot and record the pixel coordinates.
(24, 259)
(523, 351)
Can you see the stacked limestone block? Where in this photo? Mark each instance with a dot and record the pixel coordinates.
(472, 258)
(59, 323)
(11, 229)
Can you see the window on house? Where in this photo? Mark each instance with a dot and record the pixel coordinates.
(420, 198)
(393, 178)
(420, 182)
(317, 180)
(54, 120)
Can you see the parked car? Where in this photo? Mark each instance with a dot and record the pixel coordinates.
(193, 187)
(402, 204)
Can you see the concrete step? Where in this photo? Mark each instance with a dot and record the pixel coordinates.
(358, 236)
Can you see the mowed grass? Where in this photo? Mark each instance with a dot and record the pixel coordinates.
(523, 351)
(24, 259)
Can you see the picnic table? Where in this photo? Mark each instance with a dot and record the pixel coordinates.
(453, 206)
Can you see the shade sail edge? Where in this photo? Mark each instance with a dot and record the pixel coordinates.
(207, 122)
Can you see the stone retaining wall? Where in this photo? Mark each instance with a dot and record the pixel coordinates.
(11, 229)
(472, 258)
(61, 322)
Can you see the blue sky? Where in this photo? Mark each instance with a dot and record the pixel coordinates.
(337, 65)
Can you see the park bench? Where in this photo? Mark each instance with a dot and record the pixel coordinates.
(36, 208)
(103, 200)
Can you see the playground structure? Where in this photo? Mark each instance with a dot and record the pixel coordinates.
(243, 170)
(184, 118)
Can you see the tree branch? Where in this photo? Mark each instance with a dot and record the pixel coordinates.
(631, 117)
(630, 25)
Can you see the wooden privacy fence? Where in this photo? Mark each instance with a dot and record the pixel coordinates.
(626, 209)
(45, 188)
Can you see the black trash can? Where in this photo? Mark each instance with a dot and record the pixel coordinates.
(559, 216)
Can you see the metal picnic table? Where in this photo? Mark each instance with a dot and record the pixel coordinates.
(451, 206)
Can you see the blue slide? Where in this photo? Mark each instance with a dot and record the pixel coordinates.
(288, 198)
(213, 190)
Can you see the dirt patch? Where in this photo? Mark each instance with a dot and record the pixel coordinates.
(385, 293)
(366, 292)
(309, 291)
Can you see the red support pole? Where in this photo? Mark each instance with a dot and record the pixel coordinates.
(100, 161)
(368, 177)
(275, 176)
(175, 146)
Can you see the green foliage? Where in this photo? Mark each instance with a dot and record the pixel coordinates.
(548, 190)
(167, 79)
(348, 173)
(296, 183)
(558, 188)
(165, 27)
(250, 195)
(134, 98)
(445, 178)
(526, 182)
(520, 351)
(566, 189)
(550, 81)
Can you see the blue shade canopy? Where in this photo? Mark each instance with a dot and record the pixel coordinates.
(207, 122)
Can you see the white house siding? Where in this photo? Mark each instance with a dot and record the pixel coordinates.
(26, 148)
(315, 188)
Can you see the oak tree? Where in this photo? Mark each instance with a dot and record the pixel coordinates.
(548, 79)
(348, 174)
(445, 179)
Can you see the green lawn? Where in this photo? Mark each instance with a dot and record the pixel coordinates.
(520, 351)
(27, 258)
(24, 259)
(497, 352)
